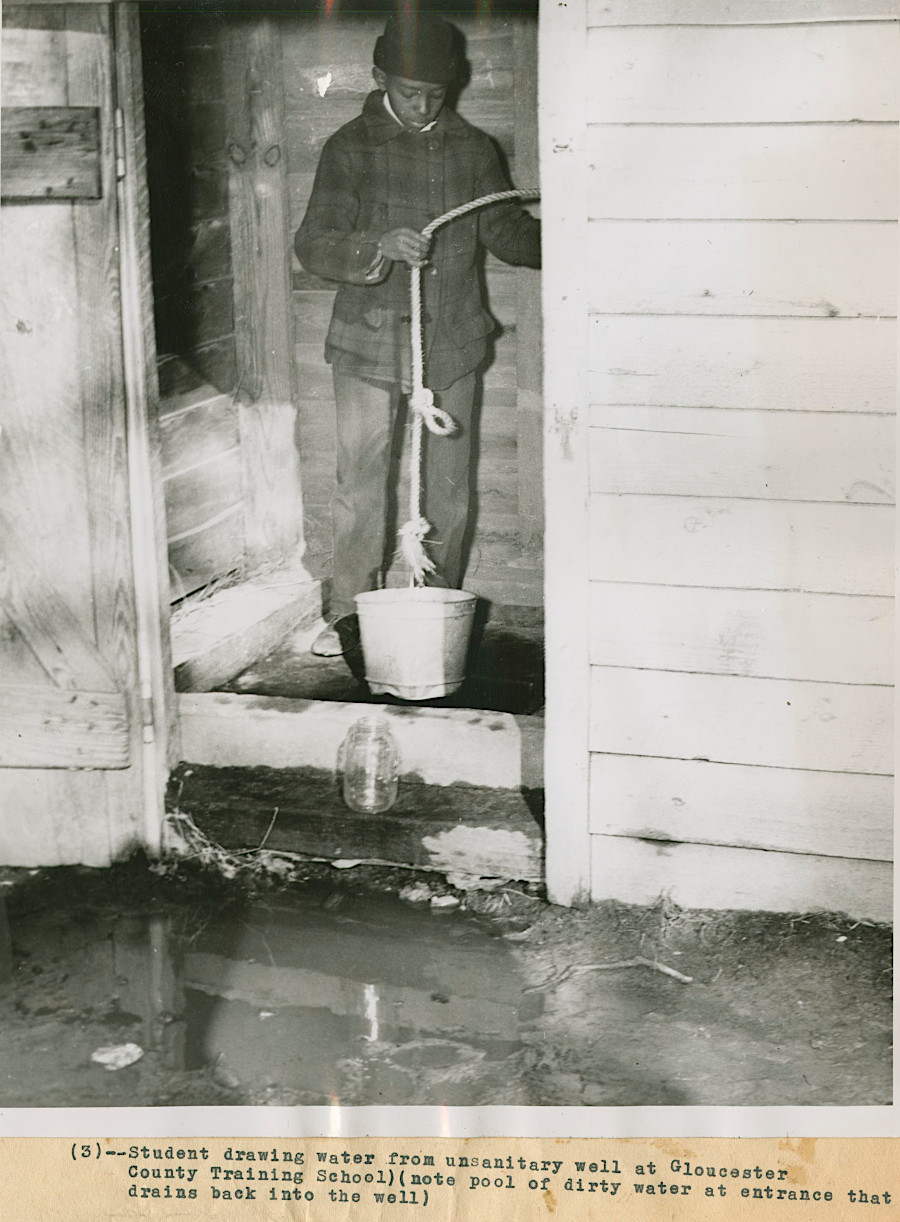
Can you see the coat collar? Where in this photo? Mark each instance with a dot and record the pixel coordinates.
(382, 128)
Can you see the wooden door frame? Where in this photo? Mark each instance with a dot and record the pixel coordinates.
(148, 521)
(562, 40)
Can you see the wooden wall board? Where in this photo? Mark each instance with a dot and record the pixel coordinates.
(789, 171)
(713, 877)
(749, 74)
(765, 633)
(773, 545)
(737, 12)
(206, 554)
(196, 433)
(802, 456)
(785, 809)
(208, 256)
(200, 494)
(185, 111)
(50, 152)
(773, 723)
(202, 314)
(810, 364)
(256, 133)
(216, 362)
(760, 268)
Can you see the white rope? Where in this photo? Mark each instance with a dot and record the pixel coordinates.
(421, 400)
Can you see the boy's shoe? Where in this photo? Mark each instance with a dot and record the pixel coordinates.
(336, 638)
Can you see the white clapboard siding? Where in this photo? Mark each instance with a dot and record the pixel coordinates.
(709, 876)
(737, 12)
(790, 171)
(802, 456)
(810, 364)
(835, 814)
(762, 74)
(772, 545)
(757, 267)
(770, 634)
(774, 723)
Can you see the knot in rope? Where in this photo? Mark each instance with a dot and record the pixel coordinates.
(436, 420)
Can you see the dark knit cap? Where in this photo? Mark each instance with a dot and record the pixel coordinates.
(418, 46)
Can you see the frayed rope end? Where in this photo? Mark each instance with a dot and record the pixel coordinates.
(412, 545)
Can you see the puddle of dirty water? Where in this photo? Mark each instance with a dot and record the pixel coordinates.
(334, 991)
(288, 1002)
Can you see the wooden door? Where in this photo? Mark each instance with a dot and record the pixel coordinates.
(73, 781)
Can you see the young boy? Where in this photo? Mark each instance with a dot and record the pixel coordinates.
(405, 160)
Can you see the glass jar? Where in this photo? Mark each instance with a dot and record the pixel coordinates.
(370, 765)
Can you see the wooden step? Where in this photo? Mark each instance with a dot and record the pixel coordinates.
(451, 829)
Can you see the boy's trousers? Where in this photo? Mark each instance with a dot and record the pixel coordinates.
(366, 419)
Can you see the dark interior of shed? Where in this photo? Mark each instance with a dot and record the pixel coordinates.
(198, 68)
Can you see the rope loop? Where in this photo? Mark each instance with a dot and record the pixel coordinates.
(435, 419)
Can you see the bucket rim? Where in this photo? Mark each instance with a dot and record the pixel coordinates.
(410, 595)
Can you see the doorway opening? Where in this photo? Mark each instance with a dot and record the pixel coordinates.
(237, 108)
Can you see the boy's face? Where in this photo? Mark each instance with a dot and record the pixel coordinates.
(415, 103)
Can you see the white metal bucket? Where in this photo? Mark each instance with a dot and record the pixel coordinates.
(415, 640)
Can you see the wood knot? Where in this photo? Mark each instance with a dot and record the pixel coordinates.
(237, 153)
(272, 155)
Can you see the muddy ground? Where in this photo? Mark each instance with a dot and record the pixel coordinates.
(294, 986)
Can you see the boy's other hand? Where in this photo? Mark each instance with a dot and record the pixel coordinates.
(405, 246)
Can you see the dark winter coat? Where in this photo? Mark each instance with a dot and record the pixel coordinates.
(374, 176)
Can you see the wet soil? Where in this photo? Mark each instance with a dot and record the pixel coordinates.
(256, 990)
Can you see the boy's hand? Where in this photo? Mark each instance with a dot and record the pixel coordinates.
(405, 246)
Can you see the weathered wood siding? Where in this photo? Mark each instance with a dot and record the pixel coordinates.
(327, 74)
(741, 300)
(188, 177)
(193, 295)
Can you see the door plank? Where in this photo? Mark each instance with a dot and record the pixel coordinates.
(46, 727)
(50, 152)
(45, 622)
